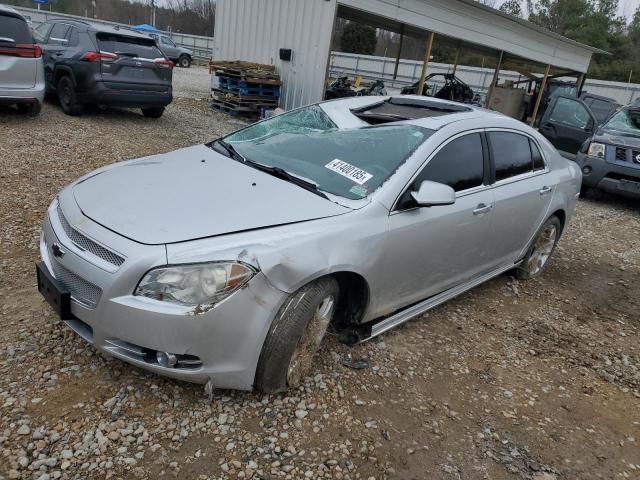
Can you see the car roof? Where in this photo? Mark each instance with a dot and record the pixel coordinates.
(12, 11)
(100, 27)
(458, 111)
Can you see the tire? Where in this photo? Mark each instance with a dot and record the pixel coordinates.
(541, 249)
(30, 109)
(184, 61)
(584, 190)
(153, 112)
(295, 335)
(67, 96)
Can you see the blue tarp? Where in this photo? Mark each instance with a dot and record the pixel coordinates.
(145, 28)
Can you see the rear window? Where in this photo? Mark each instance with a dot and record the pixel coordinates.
(132, 46)
(14, 30)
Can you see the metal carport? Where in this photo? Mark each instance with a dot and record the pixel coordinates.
(256, 30)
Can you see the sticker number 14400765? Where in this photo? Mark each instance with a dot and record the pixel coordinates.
(350, 171)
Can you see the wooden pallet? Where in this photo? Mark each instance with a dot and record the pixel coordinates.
(247, 71)
(244, 99)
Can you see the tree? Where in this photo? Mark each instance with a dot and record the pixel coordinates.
(358, 38)
(512, 7)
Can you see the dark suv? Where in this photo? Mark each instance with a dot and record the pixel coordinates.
(608, 151)
(91, 64)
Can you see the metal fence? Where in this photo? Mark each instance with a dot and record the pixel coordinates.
(479, 79)
(202, 46)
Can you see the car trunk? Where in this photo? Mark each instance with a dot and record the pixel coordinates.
(18, 63)
(137, 63)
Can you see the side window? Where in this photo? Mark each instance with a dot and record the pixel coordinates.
(73, 36)
(536, 155)
(601, 109)
(459, 164)
(511, 154)
(569, 112)
(58, 35)
(41, 32)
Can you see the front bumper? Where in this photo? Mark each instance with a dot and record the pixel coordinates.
(610, 177)
(221, 345)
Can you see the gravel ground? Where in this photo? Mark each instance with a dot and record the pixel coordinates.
(513, 380)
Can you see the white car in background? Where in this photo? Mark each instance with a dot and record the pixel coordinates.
(21, 67)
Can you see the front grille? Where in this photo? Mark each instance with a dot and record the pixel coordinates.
(621, 154)
(87, 244)
(81, 290)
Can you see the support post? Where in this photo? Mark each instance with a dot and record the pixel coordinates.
(540, 95)
(581, 79)
(455, 61)
(395, 68)
(425, 64)
(494, 80)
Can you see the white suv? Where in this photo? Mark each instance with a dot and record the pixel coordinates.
(21, 67)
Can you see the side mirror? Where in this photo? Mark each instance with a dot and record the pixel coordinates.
(431, 194)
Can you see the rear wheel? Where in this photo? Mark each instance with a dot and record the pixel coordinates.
(295, 335)
(540, 250)
(67, 96)
(184, 61)
(153, 112)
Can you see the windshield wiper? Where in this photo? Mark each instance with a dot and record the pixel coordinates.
(282, 174)
(230, 149)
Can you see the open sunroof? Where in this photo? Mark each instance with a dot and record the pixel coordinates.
(396, 109)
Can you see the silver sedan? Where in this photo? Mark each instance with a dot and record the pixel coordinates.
(227, 262)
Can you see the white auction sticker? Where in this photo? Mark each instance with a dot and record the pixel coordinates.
(350, 171)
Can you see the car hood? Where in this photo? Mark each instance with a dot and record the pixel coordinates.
(620, 140)
(193, 193)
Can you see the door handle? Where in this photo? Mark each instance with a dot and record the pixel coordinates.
(546, 189)
(482, 208)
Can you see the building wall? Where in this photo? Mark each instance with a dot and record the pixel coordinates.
(255, 31)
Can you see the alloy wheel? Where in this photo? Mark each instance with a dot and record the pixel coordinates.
(302, 357)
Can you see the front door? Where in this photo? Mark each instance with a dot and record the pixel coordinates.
(431, 249)
(567, 123)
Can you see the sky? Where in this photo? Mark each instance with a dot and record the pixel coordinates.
(627, 7)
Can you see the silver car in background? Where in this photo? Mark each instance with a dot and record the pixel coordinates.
(21, 67)
(227, 262)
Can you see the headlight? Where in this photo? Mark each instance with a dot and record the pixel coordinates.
(596, 150)
(195, 284)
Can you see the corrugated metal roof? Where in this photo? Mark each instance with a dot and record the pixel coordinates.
(476, 24)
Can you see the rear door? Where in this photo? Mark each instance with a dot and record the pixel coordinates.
(568, 123)
(18, 65)
(522, 191)
(53, 48)
(133, 63)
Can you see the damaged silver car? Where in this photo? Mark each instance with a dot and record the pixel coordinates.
(228, 262)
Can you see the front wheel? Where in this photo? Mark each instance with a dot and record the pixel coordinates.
(155, 112)
(295, 336)
(184, 61)
(540, 250)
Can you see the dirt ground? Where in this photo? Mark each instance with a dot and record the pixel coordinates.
(513, 380)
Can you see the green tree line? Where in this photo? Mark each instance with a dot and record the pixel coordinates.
(187, 16)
